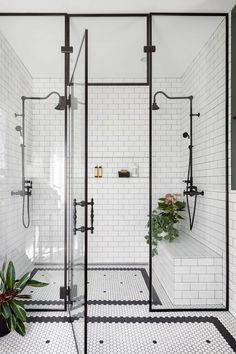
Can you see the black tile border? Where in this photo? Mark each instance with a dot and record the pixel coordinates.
(156, 299)
(189, 319)
(138, 320)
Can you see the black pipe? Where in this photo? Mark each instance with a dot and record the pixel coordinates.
(191, 190)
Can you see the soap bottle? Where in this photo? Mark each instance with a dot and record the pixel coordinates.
(100, 171)
(96, 171)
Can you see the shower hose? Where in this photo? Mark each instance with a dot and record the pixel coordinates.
(191, 216)
(26, 224)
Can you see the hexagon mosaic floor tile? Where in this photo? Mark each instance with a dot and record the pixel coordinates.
(119, 321)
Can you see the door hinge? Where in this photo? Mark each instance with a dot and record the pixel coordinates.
(149, 48)
(67, 49)
(64, 292)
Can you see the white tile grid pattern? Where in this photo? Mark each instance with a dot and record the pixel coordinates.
(232, 212)
(48, 172)
(15, 81)
(118, 138)
(205, 80)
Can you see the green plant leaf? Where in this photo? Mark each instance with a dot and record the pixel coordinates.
(18, 309)
(10, 276)
(36, 283)
(2, 271)
(6, 311)
(22, 282)
(20, 327)
(11, 322)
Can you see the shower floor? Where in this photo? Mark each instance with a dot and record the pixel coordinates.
(119, 321)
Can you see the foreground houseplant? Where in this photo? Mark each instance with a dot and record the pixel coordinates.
(165, 219)
(12, 311)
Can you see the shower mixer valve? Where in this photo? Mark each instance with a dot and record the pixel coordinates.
(26, 191)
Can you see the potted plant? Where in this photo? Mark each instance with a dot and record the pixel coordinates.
(12, 311)
(165, 219)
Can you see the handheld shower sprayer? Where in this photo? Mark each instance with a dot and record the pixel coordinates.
(26, 188)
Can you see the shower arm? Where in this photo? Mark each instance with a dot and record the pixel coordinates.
(191, 115)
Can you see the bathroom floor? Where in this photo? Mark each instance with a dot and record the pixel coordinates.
(119, 322)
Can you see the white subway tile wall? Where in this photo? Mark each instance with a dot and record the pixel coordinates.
(48, 172)
(15, 81)
(118, 138)
(232, 212)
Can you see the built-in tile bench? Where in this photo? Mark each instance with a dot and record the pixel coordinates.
(190, 272)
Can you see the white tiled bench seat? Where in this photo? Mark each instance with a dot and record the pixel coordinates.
(190, 272)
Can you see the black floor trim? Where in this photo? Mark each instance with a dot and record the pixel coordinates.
(194, 319)
(118, 302)
(156, 300)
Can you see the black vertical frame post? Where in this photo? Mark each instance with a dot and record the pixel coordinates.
(149, 57)
(86, 196)
(66, 83)
(227, 154)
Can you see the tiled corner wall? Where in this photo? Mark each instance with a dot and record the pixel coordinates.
(205, 80)
(47, 172)
(232, 212)
(15, 81)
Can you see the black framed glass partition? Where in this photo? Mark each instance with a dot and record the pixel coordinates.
(189, 170)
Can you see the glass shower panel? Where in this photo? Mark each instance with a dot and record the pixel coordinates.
(33, 66)
(188, 223)
(77, 201)
(109, 39)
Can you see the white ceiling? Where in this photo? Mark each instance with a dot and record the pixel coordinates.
(116, 6)
(115, 45)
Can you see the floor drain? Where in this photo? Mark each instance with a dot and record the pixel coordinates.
(101, 341)
(208, 341)
(47, 341)
(154, 342)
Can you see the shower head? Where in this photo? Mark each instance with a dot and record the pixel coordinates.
(61, 104)
(186, 135)
(155, 107)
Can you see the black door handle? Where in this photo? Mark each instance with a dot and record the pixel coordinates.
(82, 204)
(91, 228)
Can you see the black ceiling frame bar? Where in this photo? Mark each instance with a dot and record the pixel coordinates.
(226, 307)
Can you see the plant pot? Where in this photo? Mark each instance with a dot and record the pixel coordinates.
(3, 327)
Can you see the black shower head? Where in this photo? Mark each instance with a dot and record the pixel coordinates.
(61, 104)
(155, 107)
(186, 135)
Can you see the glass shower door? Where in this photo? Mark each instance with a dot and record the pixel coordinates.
(78, 203)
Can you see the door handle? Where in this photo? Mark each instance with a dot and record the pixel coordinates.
(91, 228)
(82, 204)
(75, 228)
